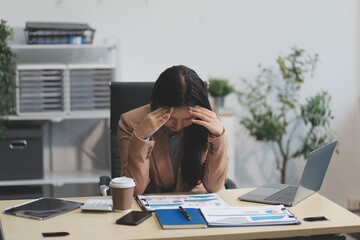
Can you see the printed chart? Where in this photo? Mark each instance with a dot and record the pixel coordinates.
(152, 202)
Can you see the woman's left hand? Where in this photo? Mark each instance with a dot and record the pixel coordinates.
(208, 119)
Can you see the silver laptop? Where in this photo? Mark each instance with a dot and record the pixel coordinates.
(310, 182)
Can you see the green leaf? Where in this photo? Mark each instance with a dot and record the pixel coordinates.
(7, 75)
(219, 87)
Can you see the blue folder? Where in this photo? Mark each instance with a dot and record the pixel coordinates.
(173, 219)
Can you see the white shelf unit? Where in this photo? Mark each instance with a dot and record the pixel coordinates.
(67, 58)
(60, 178)
(80, 62)
(86, 54)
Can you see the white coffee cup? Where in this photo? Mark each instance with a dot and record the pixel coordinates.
(122, 191)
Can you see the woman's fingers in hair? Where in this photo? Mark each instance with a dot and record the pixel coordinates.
(161, 115)
(153, 121)
(202, 113)
(208, 119)
(161, 111)
(165, 115)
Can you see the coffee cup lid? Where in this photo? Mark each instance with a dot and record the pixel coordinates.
(122, 182)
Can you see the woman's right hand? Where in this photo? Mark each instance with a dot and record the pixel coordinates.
(153, 121)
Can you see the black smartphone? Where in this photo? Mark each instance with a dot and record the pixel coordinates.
(133, 218)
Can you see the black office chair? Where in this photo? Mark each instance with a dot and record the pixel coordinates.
(124, 97)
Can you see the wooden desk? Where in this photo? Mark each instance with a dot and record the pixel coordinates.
(95, 225)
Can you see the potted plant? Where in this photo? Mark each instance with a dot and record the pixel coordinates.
(277, 115)
(7, 76)
(218, 89)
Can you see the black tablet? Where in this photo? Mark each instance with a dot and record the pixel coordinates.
(43, 208)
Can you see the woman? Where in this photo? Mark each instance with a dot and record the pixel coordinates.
(176, 143)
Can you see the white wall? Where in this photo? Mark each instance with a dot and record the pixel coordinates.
(229, 39)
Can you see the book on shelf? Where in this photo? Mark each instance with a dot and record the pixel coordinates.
(174, 219)
(248, 216)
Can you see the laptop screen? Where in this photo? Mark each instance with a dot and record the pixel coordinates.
(314, 171)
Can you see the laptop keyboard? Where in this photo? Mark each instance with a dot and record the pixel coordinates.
(285, 195)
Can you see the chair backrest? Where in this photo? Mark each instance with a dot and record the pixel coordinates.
(125, 96)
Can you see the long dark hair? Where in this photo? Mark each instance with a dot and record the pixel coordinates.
(180, 86)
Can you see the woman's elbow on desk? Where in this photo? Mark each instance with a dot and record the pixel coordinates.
(213, 187)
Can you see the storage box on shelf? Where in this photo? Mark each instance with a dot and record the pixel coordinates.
(21, 152)
(40, 88)
(89, 87)
(70, 83)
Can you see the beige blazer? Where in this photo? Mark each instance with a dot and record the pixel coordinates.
(149, 164)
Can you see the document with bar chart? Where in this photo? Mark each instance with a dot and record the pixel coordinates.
(248, 216)
(152, 202)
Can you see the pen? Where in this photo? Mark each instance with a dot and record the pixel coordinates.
(184, 213)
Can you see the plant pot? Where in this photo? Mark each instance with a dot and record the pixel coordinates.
(218, 104)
